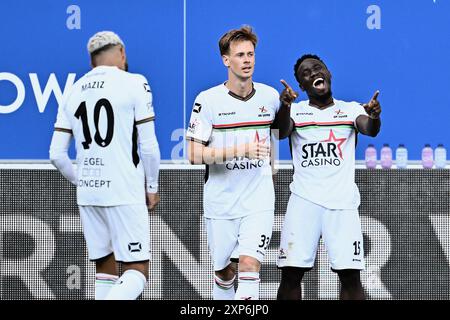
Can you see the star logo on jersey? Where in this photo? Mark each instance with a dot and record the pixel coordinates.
(338, 112)
(262, 109)
(257, 139)
(332, 138)
(147, 87)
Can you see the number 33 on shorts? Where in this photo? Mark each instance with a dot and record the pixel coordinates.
(264, 243)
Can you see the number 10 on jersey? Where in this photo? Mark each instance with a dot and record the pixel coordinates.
(82, 113)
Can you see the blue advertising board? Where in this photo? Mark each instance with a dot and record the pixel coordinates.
(398, 47)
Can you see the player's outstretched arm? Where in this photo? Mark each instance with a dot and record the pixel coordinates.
(370, 124)
(283, 121)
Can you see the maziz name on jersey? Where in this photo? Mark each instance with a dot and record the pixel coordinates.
(241, 164)
(93, 85)
(320, 154)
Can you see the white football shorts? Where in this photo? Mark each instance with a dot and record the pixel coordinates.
(245, 236)
(123, 230)
(305, 222)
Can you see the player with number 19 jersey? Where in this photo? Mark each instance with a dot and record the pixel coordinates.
(102, 110)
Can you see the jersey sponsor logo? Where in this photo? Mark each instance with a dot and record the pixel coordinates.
(193, 126)
(304, 114)
(134, 247)
(197, 108)
(94, 183)
(92, 85)
(264, 112)
(91, 168)
(324, 153)
(86, 172)
(241, 164)
(221, 114)
(339, 114)
(93, 162)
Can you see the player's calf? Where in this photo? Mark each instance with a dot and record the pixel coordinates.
(224, 283)
(248, 281)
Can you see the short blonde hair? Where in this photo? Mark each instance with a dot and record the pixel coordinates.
(102, 39)
(245, 33)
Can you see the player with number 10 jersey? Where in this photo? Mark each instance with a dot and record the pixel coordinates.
(109, 112)
(105, 103)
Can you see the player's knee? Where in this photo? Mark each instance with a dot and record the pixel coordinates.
(142, 267)
(292, 275)
(248, 264)
(106, 264)
(349, 277)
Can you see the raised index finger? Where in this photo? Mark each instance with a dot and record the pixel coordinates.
(289, 89)
(285, 84)
(375, 95)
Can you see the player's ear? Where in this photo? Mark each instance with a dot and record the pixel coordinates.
(122, 53)
(226, 60)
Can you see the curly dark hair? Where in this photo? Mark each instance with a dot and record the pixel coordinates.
(303, 58)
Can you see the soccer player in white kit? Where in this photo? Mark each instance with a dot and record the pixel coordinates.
(229, 130)
(110, 114)
(324, 198)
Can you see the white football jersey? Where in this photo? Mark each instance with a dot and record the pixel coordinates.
(221, 119)
(102, 110)
(323, 152)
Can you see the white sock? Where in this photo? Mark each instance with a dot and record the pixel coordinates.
(103, 283)
(128, 287)
(248, 286)
(223, 289)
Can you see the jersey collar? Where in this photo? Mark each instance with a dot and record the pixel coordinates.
(236, 96)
